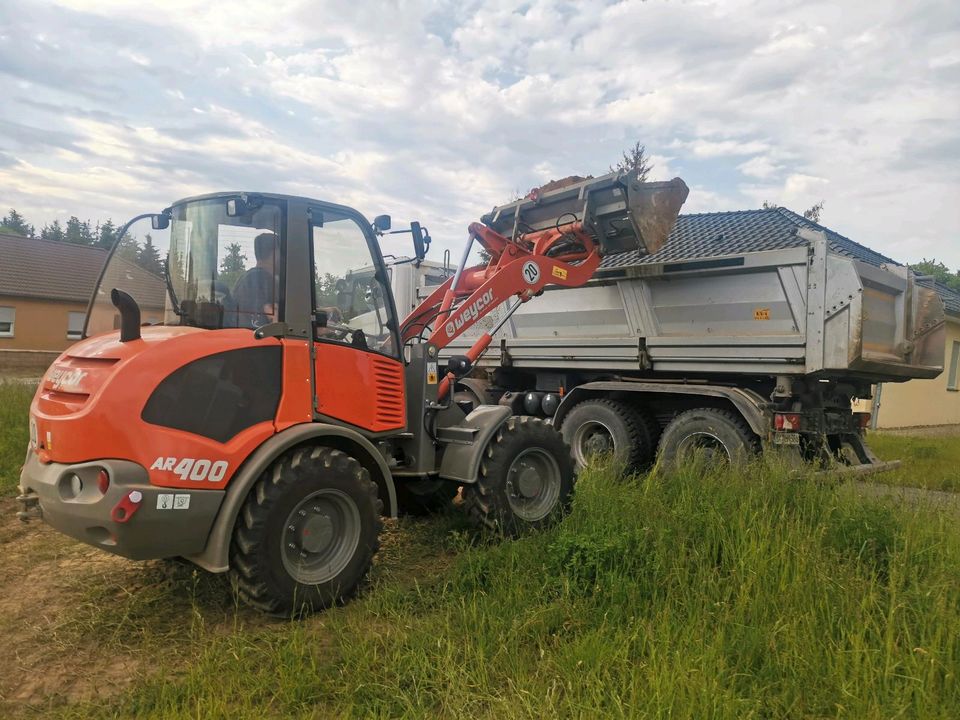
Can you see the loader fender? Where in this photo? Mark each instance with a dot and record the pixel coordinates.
(752, 406)
(461, 460)
(215, 557)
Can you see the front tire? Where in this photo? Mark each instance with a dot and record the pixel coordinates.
(598, 427)
(526, 478)
(307, 533)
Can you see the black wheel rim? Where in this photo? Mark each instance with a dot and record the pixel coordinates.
(706, 444)
(320, 536)
(533, 484)
(592, 439)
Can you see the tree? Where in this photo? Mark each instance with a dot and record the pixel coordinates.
(634, 160)
(233, 264)
(129, 248)
(106, 235)
(940, 272)
(78, 232)
(812, 214)
(148, 257)
(14, 222)
(53, 231)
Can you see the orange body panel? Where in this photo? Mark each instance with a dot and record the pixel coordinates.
(89, 403)
(360, 388)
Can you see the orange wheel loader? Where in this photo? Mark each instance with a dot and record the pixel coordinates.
(237, 413)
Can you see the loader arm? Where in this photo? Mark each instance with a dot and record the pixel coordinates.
(567, 233)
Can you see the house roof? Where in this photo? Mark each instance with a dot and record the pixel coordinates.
(34, 268)
(49, 270)
(730, 233)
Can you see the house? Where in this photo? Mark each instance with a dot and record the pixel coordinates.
(45, 288)
(916, 402)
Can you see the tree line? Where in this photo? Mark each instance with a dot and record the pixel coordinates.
(81, 232)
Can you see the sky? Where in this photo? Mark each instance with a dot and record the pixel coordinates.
(437, 111)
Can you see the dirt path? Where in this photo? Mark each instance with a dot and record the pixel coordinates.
(79, 624)
(941, 500)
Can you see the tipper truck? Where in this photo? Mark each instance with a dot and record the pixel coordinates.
(699, 346)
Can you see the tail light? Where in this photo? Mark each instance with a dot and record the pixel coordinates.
(863, 419)
(786, 422)
(103, 481)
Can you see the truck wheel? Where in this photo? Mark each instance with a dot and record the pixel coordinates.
(526, 478)
(422, 497)
(719, 434)
(595, 427)
(307, 533)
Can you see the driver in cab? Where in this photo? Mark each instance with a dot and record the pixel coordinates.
(254, 291)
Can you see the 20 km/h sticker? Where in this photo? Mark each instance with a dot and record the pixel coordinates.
(530, 272)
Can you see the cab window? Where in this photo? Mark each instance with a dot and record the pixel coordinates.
(350, 301)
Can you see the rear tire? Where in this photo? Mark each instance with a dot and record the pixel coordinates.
(307, 533)
(595, 427)
(526, 478)
(721, 434)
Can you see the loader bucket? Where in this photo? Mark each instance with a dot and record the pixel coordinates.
(621, 213)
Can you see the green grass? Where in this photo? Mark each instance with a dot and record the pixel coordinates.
(694, 595)
(14, 432)
(929, 461)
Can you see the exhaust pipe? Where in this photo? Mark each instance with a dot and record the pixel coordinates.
(129, 315)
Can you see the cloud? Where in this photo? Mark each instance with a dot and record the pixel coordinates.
(438, 110)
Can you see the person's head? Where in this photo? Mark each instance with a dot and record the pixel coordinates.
(264, 249)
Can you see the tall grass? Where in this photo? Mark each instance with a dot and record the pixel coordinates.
(14, 432)
(931, 461)
(700, 594)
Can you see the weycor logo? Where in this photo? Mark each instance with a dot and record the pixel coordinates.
(469, 314)
(62, 379)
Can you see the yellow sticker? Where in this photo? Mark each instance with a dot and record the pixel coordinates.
(432, 374)
(761, 314)
(559, 272)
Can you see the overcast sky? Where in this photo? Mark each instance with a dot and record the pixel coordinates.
(438, 110)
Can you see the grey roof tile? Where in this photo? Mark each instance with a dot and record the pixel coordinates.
(730, 233)
(704, 235)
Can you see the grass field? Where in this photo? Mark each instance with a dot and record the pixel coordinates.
(699, 594)
(14, 431)
(929, 460)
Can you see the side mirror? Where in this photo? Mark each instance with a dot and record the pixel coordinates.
(382, 223)
(420, 241)
(160, 222)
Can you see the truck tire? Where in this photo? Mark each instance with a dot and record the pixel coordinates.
(423, 497)
(307, 533)
(598, 426)
(526, 478)
(720, 433)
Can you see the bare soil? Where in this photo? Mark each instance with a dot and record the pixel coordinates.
(78, 624)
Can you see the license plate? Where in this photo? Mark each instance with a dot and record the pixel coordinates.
(786, 438)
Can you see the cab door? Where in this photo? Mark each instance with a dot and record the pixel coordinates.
(358, 372)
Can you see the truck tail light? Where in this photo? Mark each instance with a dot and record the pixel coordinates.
(786, 422)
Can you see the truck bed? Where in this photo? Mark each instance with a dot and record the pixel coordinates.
(796, 311)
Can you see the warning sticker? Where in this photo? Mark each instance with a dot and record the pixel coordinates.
(761, 314)
(171, 501)
(559, 272)
(431, 373)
